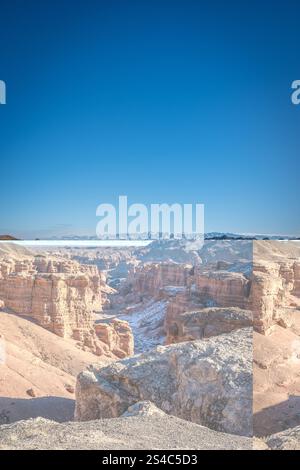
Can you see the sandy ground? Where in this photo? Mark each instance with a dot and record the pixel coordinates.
(138, 432)
(38, 375)
(276, 373)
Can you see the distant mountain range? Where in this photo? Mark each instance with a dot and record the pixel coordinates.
(207, 236)
(7, 237)
(237, 236)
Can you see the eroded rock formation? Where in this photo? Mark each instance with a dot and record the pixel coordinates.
(61, 295)
(208, 382)
(276, 311)
(117, 335)
(205, 323)
(276, 294)
(150, 278)
(223, 288)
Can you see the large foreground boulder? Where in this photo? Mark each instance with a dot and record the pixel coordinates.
(207, 381)
(142, 427)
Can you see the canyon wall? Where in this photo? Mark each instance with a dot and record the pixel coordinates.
(275, 300)
(149, 278)
(206, 322)
(223, 288)
(275, 293)
(209, 283)
(60, 295)
(186, 288)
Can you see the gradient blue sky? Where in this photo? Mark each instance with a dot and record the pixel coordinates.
(165, 101)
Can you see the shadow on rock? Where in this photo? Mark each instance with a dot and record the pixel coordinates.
(55, 408)
(278, 417)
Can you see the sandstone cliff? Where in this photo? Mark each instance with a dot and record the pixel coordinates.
(117, 335)
(276, 311)
(187, 287)
(148, 279)
(205, 323)
(60, 295)
(276, 286)
(223, 288)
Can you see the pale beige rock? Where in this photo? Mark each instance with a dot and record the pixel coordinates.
(205, 323)
(275, 292)
(206, 381)
(183, 301)
(276, 310)
(185, 288)
(59, 294)
(143, 408)
(223, 288)
(118, 336)
(148, 279)
(259, 444)
(276, 376)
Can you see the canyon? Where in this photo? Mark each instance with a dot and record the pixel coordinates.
(203, 338)
(62, 296)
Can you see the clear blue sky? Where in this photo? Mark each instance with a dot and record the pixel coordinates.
(165, 101)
